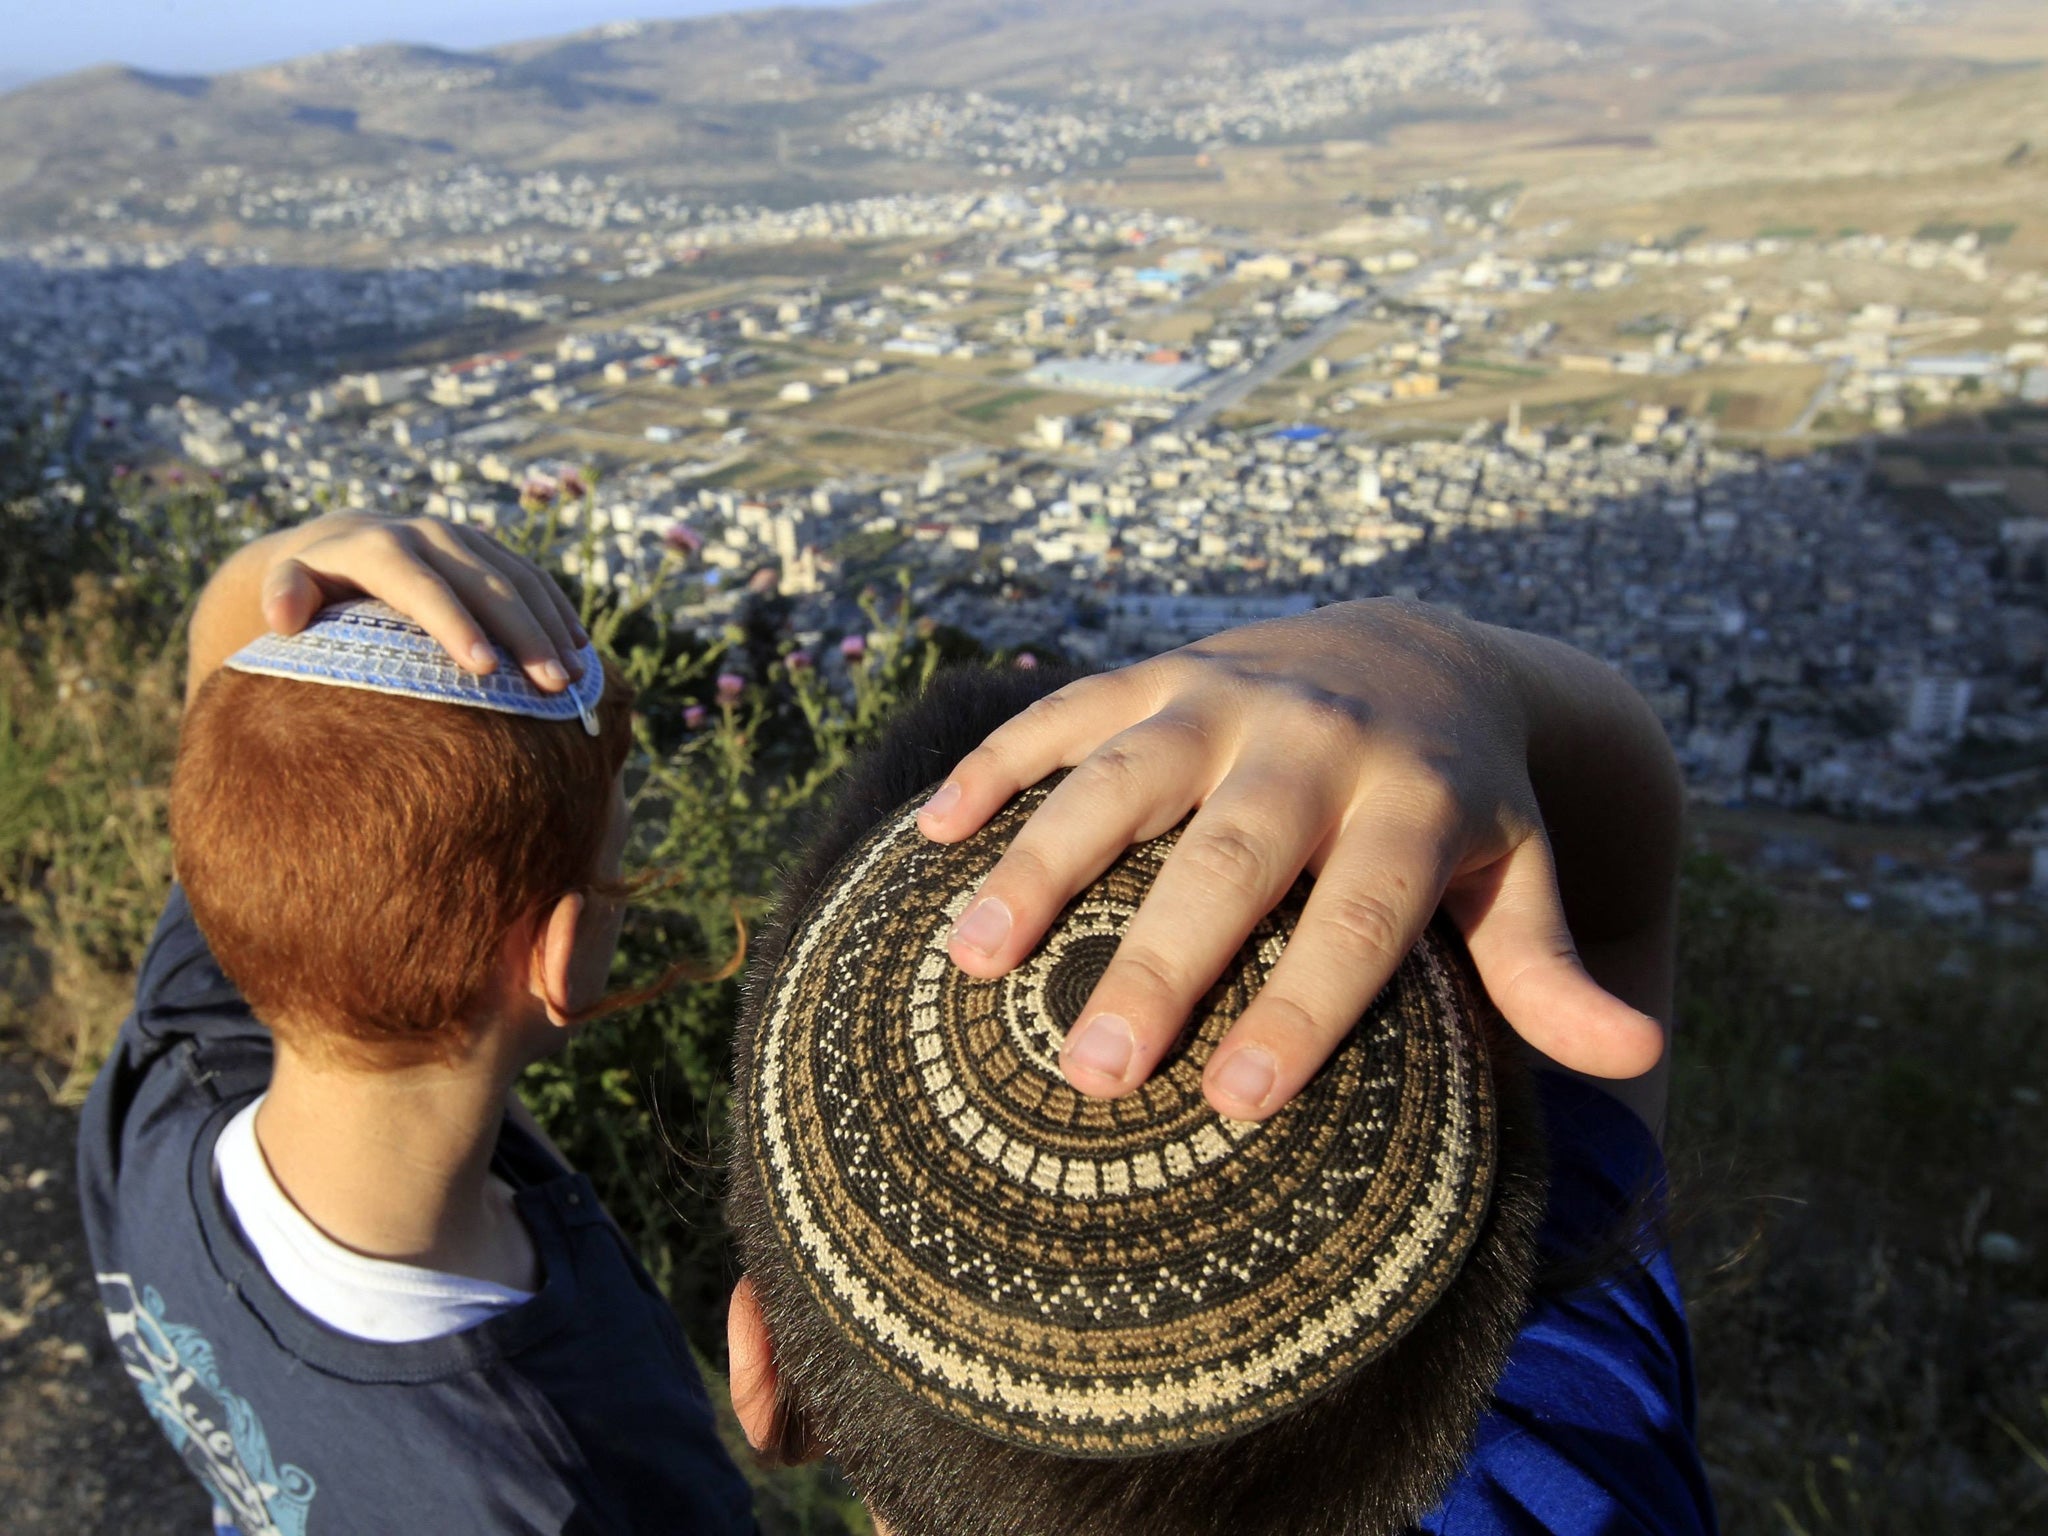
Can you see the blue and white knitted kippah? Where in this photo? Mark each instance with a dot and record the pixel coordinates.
(367, 644)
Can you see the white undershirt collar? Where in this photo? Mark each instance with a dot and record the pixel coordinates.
(375, 1299)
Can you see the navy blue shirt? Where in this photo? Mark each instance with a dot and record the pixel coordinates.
(579, 1411)
(1591, 1429)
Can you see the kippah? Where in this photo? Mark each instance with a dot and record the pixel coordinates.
(1084, 1276)
(367, 644)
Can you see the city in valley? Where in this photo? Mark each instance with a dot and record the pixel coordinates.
(1724, 357)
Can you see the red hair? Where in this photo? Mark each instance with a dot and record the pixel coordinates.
(356, 860)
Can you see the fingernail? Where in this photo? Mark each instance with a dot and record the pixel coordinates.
(1246, 1077)
(552, 674)
(1104, 1044)
(985, 926)
(482, 657)
(946, 797)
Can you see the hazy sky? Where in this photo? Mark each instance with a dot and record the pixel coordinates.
(198, 36)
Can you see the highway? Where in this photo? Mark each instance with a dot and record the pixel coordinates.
(1233, 388)
(1823, 397)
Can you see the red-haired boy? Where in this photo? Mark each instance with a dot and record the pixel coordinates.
(356, 1288)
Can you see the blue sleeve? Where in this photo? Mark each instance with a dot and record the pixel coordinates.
(1591, 1430)
(182, 989)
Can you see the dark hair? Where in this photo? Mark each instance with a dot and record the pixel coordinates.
(1367, 1457)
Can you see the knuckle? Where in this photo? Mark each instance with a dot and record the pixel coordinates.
(431, 530)
(1331, 718)
(985, 762)
(1114, 768)
(1390, 606)
(1521, 818)
(1284, 1019)
(1023, 869)
(1228, 855)
(1083, 688)
(1177, 730)
(1426, 798)
(1048, 712)
(1363, 922)
(1054, 710)
(1143, 970)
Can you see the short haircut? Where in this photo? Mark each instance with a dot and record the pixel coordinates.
(1367, 1456)
(356, 859)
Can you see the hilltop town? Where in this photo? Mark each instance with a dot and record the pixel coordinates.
(1790, 480)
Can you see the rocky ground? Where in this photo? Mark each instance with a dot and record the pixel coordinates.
(78, 1455)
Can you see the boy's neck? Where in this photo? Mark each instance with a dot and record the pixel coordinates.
(396, 1164)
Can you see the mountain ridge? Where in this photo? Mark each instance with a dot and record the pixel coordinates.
(725, 105)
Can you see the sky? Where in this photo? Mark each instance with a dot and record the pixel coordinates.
(205, 36)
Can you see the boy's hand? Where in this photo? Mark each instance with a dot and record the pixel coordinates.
(459, 584)
(1384, 746)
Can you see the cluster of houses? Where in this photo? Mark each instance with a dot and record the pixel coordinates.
(1804, 642)
(1100, 123)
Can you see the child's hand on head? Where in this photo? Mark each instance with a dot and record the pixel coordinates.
(1382, 746)
(459, 584)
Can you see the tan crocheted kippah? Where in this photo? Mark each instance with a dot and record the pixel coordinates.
(1099, 1277)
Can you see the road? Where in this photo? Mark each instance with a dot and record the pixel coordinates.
(1823, 396)
(1234, 388)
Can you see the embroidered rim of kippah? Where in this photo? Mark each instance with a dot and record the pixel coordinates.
(363, 643)
(1099, 1277)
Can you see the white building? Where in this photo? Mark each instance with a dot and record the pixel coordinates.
(1937, 707)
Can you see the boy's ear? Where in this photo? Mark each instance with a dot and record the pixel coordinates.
(554, 954)
(777, 1436)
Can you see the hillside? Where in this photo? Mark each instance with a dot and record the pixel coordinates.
(754, 104)
(696, 103)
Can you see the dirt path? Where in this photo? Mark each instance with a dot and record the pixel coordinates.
(78, 1455)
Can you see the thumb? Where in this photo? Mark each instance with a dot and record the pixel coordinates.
(291, 596)
(1513, 921)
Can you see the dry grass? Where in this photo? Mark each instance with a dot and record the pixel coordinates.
(1685, 145)
(1857, 1140)
(88, 732)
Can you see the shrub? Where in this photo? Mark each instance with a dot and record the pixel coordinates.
(99, 585)
(639, 1102)
(1857, 1140)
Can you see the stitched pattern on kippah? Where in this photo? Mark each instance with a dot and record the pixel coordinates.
(369, 645)
(1098, 1277)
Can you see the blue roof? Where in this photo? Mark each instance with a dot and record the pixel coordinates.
(1302, 434)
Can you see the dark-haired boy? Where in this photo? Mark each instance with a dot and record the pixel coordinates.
(354, 1286)
(1414, 759)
